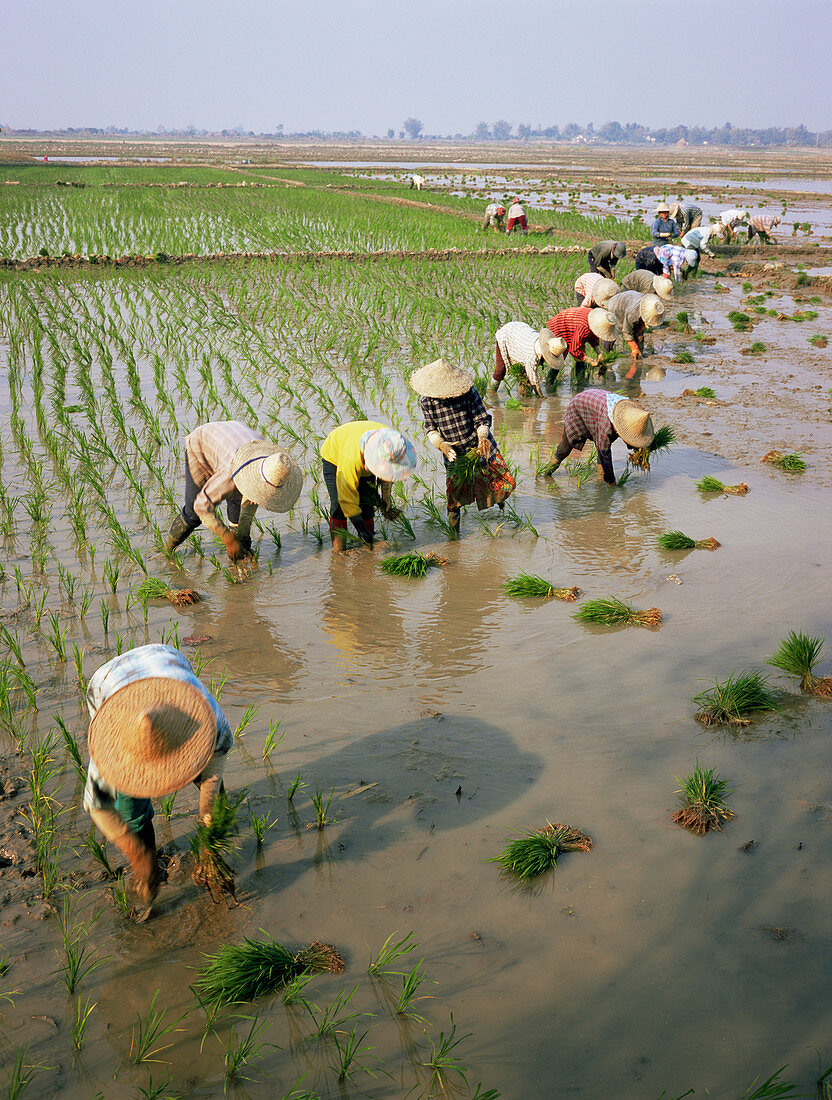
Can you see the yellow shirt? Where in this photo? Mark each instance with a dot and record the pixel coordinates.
(342, 447)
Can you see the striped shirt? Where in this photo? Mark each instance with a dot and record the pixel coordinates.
(573, 326)
(457, 418)
(139, 664)
(764, 223)
(518, 343)
(586, 283)
(210, 450)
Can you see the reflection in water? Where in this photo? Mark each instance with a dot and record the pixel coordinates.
(358, 612)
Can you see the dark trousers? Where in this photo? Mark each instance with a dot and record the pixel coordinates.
(367, 499)
(646, 261)
(607, 272)
(232, 503)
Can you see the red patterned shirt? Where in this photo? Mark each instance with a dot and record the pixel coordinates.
(573, 326)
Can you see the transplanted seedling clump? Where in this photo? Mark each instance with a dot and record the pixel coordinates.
(610, 611)
(412, 564)
(797, 655)
(736, 700)
(534, 852)
(702, 794)
(529, 586)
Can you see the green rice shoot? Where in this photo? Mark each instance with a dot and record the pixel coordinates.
(797, 655)
(411, 564)
(708, 484)
(678, 540)
(249, 969)
(733, 702)
(702, 794)
(793, 463)
(535, 852)
(611, 611)
(526, 586)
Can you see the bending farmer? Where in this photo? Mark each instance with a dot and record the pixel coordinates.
(227, 461)
(517, 342)
(605, 255)
(153, 729)
(602, 417)
(355, 455)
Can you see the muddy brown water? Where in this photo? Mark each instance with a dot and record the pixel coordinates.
(446, 715)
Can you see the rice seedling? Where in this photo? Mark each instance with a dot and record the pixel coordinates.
(702, 794)
(705, 391)
(82, 1015)
(249, 714)
(513, 403)
(818, 340)
(772, 1088)
(663, 439)
(212, 843)
(297, 784)
(411, 564)
(56, 637)
(682, 322)
(166, 805)
(322, 818)
(683, 356)
(21, 1074)
(329, 1019)
(79, 957)
(529, 586)
(443, 1062)
(149, 1033)
(793, 463)
(676, 540)
(736, 700)
(272, 739)
(611, 611)
(797, 655)
(78, 661)
(740, 321)
(99, 853)
(248, 969)
(536, 851)
(757, 348)
(12, 641)
(153, 1090)
(259, 824)
(388, 953)
(121, 899)
(111, 573)
(583, 469)
(708, 484)
(243, 1050)
(411, 983)
(152, 588)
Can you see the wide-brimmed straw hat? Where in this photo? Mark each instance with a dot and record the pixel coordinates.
(552, 348)
(692, 256)
(632, 423)
(153, 736)
(603, 290)
(651, 309)
(602, 323)
(267, 475)
(620, 250)
(656, 374)
(662, 287)
(662, 208)
(388, 454)
(441, 379)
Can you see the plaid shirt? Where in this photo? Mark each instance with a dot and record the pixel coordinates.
(210, 449)
(585, 284)
(573, 326)
(763, 223)
(518, 343)
(671, 257)
(457, 418)
(138, 664)
(587, 417)
(685, 215)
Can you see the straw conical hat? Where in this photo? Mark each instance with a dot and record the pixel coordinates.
(602, 323)
(441, 379)
(153, 736)
(662, 287)
(632, 423)
(267, 475)
(552, 348)
(603, 290)
(651, 309)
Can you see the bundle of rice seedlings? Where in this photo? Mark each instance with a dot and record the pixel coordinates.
(682, 356)
(708, 484)
(791, 462)
(682, 322)
(212, 844)
(535, 852)
(740, 321)
(518, 374)
(734, 701)
(412, 564)
(757, 348)
(701, 794)
(610, 611)
(663, 439)
(152, 588)
(465, 468)
(513, 403)
(676, 540)
(705, 391)
(528, 586)
(250, 969)
(818, 340)
(797, 655)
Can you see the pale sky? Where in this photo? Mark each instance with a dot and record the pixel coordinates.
(369, 64)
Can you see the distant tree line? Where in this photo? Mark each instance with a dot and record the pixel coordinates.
(412, 129)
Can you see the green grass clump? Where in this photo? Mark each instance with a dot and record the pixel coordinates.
(705, 391)
(757, 348)
(708, 484)
(735, 700)
(513, 403)
(785, 461)
(682, 356)
(677, 540)
(797, 655)
(741, 321)
(535, 852)
(412, 564)
(528, 586)
(702, 795)
(249, 969)
(610, 611)
(818, 340)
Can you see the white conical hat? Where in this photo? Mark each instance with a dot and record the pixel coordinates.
(441, 379)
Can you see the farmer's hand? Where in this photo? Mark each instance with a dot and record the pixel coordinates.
(550, 469)
(634, 349)
(484, 447)
(447, 450)
(390, 511)
(233, 546)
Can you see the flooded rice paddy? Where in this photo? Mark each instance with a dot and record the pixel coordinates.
(443, 714)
